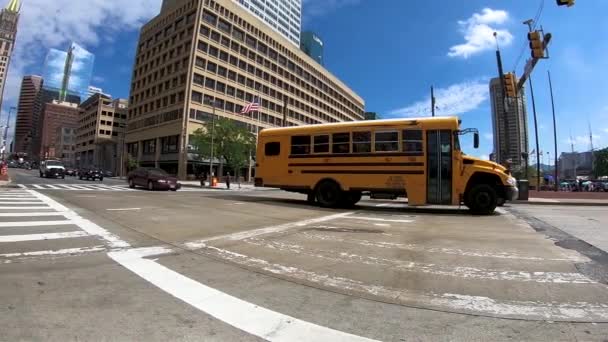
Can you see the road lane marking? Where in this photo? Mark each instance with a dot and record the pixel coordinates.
(84, 224)
(18, 199)
(80, 250)
(431, 249)
(38, 186)
(123, 209)
(50, 186)
(24, 208)
(35, 223)
(248, 317)
(22, 186)
(44, 236)
(365, 218)
(50, 213)
(20, 202)
(434, 269)
(535, 310)
(262, 231)
(67, 186)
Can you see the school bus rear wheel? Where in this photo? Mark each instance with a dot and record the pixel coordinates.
(329, 194)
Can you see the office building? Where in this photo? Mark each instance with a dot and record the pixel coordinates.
(191, 58)
(284, 16)
(371, 116)
(9, 18)
(312, 45)
(575, 164)
(510, 128)
(56, 114)
(100, 133)
(27, 123)
(69, 72)
(65, 142)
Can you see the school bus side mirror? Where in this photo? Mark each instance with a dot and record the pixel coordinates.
(476, 140)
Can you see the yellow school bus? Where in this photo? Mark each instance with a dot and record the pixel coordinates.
(335, 164)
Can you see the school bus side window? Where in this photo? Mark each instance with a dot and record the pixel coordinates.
(387, 141)
(341, 143)
(321, 144)
(300, 144)
(272, 149)
(362, 142)
(412, 141)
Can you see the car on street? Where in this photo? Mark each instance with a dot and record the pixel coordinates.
(52, 168)
(152, 179)
(108, 173)
(90, 174)
(70, 172)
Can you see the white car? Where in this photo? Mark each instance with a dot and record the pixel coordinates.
(52, 168)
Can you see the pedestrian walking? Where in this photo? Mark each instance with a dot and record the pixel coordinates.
(228, 180)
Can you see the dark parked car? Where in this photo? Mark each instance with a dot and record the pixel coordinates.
(70, 172)
(108, 173)
(152, 179)
(90, 174)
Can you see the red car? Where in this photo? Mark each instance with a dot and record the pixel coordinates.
(153, 179)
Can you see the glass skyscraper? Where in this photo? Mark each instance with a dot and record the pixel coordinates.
(284, 16)
(312, 45)
(69, 71)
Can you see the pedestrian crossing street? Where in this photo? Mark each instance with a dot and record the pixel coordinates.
(34, 226)
(92, 187)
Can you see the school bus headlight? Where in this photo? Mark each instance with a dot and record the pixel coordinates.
(511, 181)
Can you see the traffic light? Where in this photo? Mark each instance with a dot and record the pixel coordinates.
(510, 85)
(565, 3)
(536, 44)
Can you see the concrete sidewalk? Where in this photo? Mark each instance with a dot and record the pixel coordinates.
(223, 186)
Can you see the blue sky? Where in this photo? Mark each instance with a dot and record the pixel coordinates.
(388, 51)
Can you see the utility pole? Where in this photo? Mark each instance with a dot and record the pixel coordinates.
(536, 133)
(555, 172)
(592, 149)
(212, 143)
(432, 101)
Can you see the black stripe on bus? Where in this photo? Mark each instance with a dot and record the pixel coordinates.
(355, 155)
(355, 164)
(365, 172)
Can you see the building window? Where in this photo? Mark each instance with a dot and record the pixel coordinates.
(222, 71)
(341, 143)
(210, 83)
(362, 142)
(387, 141)
(169, 144)
(202, 46)
(220, 87)
(412, 141)
(200, 62)
(224, 26)
(211, 67)
(300, 145)
(149, 146)
(209, 17)
(213, 51)
(197, 97)
(198, 79)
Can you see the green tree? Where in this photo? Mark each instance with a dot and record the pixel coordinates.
(132, 163)
(231, 143)
(600, 168)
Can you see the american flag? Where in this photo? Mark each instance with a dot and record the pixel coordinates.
(251, 107)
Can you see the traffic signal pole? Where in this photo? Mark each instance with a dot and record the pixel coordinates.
(536, 134)
(555, 172)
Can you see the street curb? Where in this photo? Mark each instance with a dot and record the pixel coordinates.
(233, 188)
(581, 204)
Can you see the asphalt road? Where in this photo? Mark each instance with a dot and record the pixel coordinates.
(246, 266)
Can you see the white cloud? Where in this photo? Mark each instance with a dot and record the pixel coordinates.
(98, 79)
(453, 100)
(318, 8)
(489, 136)
(479, 35)
(606, 130)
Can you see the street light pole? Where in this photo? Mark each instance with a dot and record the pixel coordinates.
(555, 172)
(212, 143)
(536, 133)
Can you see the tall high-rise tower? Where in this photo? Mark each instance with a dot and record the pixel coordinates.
(510, 126)
(9, 17)
(284, 16)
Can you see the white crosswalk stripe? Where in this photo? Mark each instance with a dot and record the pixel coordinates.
(27, 217)
(75, 187)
